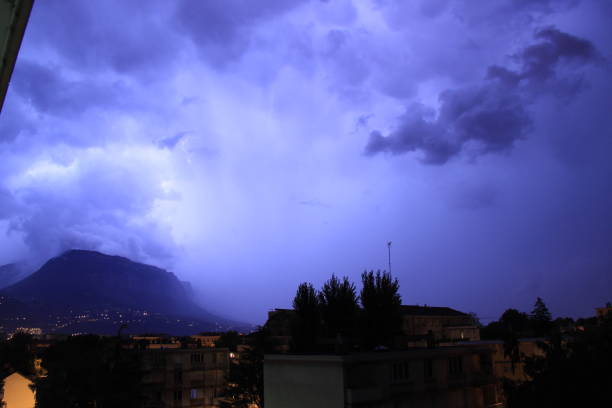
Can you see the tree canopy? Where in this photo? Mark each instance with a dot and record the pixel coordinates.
(339, 307)
(306, 326)
(381, 303)
(88, 371)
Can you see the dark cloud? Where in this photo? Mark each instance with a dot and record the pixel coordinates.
(540, 64)
(124, 36)
(172, 141)
(49, 91)
(509, 12)
(493, 116)
(14, 120)
(222, 29)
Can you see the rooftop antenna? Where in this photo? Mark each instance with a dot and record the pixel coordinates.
(389, 249)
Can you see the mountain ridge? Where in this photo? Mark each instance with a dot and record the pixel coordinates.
(87, 283)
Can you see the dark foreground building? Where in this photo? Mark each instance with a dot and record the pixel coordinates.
(184, 377)
(459, 377)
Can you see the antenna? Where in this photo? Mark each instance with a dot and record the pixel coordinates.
(389, 248)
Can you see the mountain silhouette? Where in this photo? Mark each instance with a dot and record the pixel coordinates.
(80, 282)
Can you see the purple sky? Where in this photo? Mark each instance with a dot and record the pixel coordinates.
(249, 146)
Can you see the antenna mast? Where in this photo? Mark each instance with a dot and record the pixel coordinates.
(389, 249)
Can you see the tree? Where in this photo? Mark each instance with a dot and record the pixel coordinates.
(574, 371)
(16, 355)
(307, 320)
(245, 381)
(381, 308)
(338, 300)
(230, 339)
(89, 371)
(540, 317)
(515, 321)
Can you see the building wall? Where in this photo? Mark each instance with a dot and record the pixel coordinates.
(442, 377)
(298, 382)
(442, 327)
(603, 311)
(17, 392)
(184, 377)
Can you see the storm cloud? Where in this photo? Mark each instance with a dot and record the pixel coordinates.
(493, 116)
(224, 140)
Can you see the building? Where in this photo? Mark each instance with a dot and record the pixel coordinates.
(17, 392)
(441, 324)
(420, 326)
(151, 342)
(503, 366)
(34, 331)
(459, 377)
(603, 312)
(206, 339)
(14, 15)
(279, 325)
(184, 377)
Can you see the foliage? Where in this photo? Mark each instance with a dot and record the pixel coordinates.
(381, 308)
(306, 326)
(89, 371)
(574, 371)
(511, 322)
(16, 354)
(339, 307)
(541, 318)
(230, 340)
(245, 381)
(476, 320)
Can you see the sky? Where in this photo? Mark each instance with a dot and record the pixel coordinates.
(249, 146)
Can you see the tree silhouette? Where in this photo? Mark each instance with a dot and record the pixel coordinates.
(515, 321)
(307, 320)
(381, 308)
(338, 300)
(16, 355)
(89, 371)
(245, 380)
(574, 371)
(540, 318)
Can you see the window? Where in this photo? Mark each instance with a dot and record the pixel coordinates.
(178, 395)
(197, 358)
(428, 368)
(455, 365)
(193, 394)
(400, 371)
(486, 366)
(158, 360)
(178, 375)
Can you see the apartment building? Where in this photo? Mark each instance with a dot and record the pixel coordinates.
(460, 377)
(193, 377)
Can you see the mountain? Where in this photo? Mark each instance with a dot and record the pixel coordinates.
(86, 289)
(10, 274)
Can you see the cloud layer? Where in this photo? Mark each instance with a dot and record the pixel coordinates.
(494, 115)
(225, 141)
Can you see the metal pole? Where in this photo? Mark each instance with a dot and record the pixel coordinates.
(389, 248)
